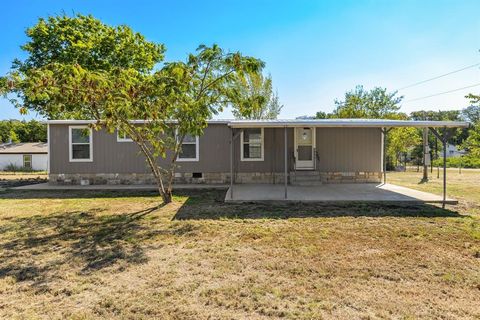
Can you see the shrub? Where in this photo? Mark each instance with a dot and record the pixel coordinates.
(13, 168)
(463, 161)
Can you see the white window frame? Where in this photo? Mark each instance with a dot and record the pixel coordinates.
(197, 151)
(31, 161)
(70, 145)
(123, 139)
(262, 149)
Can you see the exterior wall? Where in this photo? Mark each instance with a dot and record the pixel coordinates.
(110, 156)
(349, 149)
(39, 161)
(343, 153)
(452, 152)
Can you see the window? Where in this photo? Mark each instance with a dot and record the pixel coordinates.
(252, 144)
(189, 150)
(27, 161)
(80, 139)
(123, 137)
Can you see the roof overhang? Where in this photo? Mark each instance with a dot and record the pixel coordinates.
(326, 123)
(131, 121)
(342, 123)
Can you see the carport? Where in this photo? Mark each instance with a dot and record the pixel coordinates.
(345, 192)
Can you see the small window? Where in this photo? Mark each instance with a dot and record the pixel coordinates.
(80, 144)
(197, 175)
(123, 137)
(252, 144)
(27, 161)
(189, 150)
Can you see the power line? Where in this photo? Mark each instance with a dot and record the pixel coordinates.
(445, 92)
(440, 76)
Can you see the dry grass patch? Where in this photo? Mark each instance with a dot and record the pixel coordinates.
(94, 254)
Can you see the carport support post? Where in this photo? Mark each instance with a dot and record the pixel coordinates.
(425, 152)
(444, 166)
(286, 160)
(231, 165)
(384, 132)
(444, 139)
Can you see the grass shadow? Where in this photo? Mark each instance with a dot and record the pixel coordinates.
(210, 205)
(76, 194)
(38, 244)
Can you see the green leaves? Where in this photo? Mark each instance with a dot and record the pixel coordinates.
(90, 43)
(80, 68)
(374, 104)
(252, 97)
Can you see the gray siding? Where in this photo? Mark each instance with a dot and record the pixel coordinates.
(349, 149)
(340, 149)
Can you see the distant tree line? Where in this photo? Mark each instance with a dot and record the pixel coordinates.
(378, 103)
(22, 131)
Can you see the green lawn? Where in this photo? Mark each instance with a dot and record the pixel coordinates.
(87, 255)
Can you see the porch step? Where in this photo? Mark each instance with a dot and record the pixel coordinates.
(305, 178)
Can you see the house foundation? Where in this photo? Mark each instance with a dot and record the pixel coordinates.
(207, 178)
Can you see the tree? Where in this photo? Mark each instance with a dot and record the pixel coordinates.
(81, 68)
(35, 131)
(12, 137)
(401, 141)
(252, 97)
(374, 104)
(472, 113)
(25, 131)
(322, 115)
(456, 135)
(378, 104)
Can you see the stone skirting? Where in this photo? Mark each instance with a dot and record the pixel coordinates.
(206, 178)
(351, 177)
(133, 178)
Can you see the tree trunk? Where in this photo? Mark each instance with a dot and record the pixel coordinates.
(166, 196)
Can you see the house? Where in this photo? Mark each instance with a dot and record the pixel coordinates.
(300, 151)
(32, 156)
(453, 151)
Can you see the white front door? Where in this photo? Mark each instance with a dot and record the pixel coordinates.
(304, 148)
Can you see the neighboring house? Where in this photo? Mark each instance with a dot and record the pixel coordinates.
(264, 151)
(452, 152)
(31, 155)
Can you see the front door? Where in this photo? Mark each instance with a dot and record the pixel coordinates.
(304, 148)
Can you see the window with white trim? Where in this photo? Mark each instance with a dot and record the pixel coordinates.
(190, 148)
(80, 140)
(252, 144)
(27, 161)
(122, 136)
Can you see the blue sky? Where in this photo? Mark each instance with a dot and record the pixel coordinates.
(314, 50)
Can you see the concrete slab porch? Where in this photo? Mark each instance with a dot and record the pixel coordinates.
(332, 192)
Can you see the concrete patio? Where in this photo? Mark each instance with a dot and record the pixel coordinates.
(276, 192)
(332, 192)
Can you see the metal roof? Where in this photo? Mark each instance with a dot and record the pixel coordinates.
(24, 148)
(219, 121)
(375, 123)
